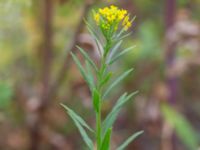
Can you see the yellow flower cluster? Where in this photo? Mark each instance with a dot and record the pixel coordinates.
(110, 17)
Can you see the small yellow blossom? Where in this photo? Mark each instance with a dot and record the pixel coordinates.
(110, 18)
(125, 21)
(127, 25)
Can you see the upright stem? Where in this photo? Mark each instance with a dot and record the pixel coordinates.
(98, 117)
(99, 88)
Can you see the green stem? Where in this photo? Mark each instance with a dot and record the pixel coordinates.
(98, 130)
(99, 88)
(98, 115)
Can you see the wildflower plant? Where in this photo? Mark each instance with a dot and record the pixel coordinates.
(113, 24)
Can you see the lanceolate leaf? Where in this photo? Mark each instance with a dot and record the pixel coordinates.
(94, 35)
(129, 140)
(84, 135)
(98, 43)
(91, 28)
(120, 78)
(80, 67)
(112, 116)
(120, 102)
(79, 123)
(124, 36)
(120, 32)
(120, 54)
(96, 100)
(114, 50)
(90, 76)
(106, 79)
(88, 58)
(106, 141)
(77, 117)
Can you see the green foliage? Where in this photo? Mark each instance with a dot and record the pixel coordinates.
(129, 140)
(96, 38)
(111, 117)
(96, 100)
(106, 141)
(117, 81)
(182, 127)
(120, 55)
(80, 123)
(82, 70)
(88, 58)
(99, 81)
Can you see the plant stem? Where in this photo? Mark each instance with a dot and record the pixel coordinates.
(98, 130)
(99, 88)
(98, 115)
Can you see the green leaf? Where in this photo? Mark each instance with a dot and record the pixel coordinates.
(114, 50)
(106, 141)
(124, 36)
(120, 33)
(80, 67)
(120, 102)
(96, 99)
(112, 116)
(91, 28)
(87, 58)
(90, 76)
(106, 79)
(95, 36)
(120, 54)
(129, 140)
(182, 127)
(77, 117)
(79, 122)
(119, 79)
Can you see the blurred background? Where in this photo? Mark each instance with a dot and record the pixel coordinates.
(37, 74)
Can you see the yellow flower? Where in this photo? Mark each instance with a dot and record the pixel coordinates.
(127, 26)
(110, 18)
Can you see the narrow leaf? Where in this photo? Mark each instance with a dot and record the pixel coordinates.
(83, 133)
(121, 102)
(87, 58)
(90, 76)
(91, 28)
(124, 36)
(80, 67)
(119, 79)
(129, 140)
(96, 39)
(106, 79)
(96, 99)
(106, 141)
(120, 32)
(114, 50)
(78, 118)
(112, 116)
(120, 54)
